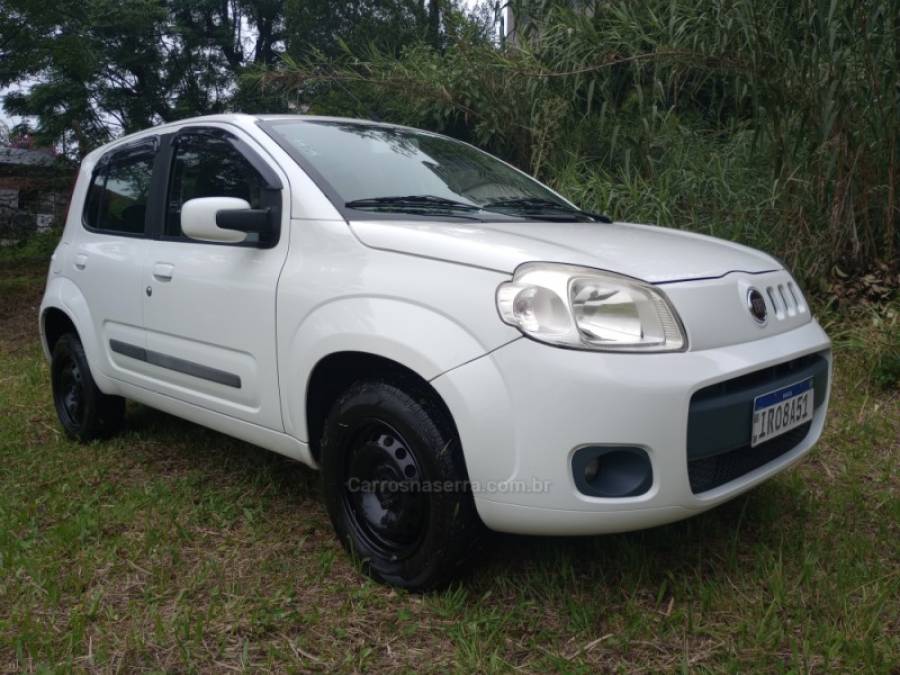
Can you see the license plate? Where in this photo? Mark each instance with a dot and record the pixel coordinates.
(780, 411)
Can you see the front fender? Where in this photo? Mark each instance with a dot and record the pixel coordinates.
(420, 338)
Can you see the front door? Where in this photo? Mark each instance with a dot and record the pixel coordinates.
(209, 308)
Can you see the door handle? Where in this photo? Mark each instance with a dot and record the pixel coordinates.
(80, 261)
(163, 271)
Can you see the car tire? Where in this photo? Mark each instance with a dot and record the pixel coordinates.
(382, 442)
(84, 411)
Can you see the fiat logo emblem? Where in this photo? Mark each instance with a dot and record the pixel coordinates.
(756, 303)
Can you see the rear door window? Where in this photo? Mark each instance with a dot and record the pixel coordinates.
(116, 202)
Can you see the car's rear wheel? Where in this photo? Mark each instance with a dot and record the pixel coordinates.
(84, 411)
(396, 487)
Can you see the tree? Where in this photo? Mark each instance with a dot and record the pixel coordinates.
(94, 68)
(88, 70)
(323, 27)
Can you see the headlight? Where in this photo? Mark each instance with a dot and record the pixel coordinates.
(589, 309)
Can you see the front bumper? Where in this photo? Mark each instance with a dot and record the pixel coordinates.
(524, 409)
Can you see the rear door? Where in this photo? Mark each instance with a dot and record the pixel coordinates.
(108, 253)
(209, 308)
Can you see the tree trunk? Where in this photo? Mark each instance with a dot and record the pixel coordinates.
(434, 23)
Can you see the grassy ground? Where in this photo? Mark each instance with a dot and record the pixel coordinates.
(173, 547)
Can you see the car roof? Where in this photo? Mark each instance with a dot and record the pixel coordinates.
(327, 118)
(241, 119)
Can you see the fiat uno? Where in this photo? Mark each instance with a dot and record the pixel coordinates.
(453, 344)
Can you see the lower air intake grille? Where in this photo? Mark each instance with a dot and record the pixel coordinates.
(711, 472)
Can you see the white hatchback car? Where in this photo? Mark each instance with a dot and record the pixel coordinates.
(451, 342)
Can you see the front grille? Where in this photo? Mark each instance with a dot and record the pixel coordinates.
(719, 421)
(711, 472)
(786, 300)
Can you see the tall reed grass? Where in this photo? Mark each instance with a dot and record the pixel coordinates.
(773, 123)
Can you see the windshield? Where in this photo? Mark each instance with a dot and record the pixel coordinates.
(370, 166)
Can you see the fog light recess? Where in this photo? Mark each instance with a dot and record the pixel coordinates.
(612, 471)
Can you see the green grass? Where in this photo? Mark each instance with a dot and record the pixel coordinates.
(172, 547)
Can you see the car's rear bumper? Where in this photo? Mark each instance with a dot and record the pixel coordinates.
(523, 410)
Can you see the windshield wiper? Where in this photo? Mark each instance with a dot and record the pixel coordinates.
(411, 201)
(543, 207)
(533, 207)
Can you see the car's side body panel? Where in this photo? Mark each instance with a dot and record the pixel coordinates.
(96, 260)
(264, 437)
(217, 312)
(336, 295)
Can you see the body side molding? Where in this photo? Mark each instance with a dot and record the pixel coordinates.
(177, 364)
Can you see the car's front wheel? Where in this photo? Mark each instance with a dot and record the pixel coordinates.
(84, 411)
(395, 485)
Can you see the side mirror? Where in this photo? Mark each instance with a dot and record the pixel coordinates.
(222, 219)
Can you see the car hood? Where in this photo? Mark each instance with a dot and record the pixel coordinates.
(654, 254)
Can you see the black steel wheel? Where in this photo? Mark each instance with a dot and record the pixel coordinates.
(84, 411)
(384, 497)
(396, 487)
(71, 390)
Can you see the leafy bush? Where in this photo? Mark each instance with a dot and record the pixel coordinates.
(38, 247)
